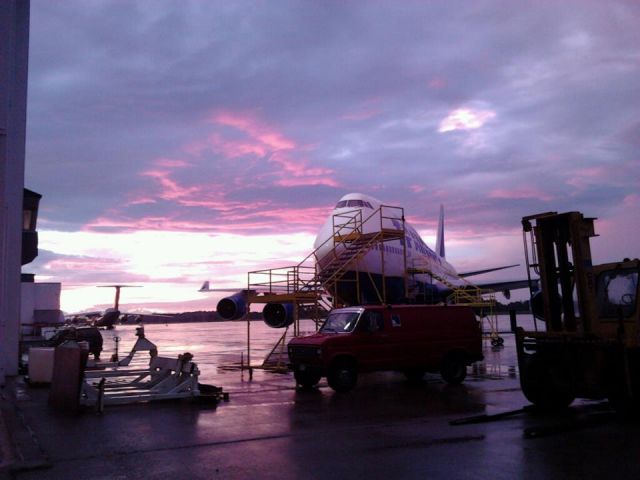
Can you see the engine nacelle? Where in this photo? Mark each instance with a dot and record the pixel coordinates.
(278, 315)
(233, 307)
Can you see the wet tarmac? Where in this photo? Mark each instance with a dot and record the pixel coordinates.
(385, 428)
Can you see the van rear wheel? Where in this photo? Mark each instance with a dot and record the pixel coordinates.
(454, 369)
(342, 376)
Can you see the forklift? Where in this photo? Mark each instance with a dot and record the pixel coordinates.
(590, 346)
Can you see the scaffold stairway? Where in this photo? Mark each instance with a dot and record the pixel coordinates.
(308, 284)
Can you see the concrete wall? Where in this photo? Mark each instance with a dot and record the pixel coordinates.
(14, 55)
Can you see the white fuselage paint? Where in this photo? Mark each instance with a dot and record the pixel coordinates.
(418, 254)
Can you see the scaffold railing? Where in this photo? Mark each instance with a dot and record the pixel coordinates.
(315, 278)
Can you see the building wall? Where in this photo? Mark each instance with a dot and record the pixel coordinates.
(14, 54)
(40, 305)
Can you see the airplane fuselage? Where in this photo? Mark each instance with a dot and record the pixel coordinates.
(385, 259)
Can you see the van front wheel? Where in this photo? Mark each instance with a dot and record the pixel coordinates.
(454, 369)
(342, 376)
(306, 380)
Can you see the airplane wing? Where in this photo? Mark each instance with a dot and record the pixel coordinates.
(205, 288)
(480, 272)
(506, 287)
(510, 285)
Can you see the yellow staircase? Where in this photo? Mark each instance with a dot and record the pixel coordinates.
(307, 284)
(314, 276)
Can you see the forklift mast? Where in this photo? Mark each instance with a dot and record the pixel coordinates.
(562, 249)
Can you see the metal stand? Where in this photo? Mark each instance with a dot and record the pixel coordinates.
(164, 379)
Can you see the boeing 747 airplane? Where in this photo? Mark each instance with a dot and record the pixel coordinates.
(430, 278)
(433, 277)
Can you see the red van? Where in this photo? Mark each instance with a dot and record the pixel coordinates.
(413, 339)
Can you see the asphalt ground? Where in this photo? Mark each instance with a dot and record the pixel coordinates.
(385, 428)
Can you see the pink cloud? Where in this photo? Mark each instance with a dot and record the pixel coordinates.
(260, 217)
(248, 141)
(307, 181)
(259, 132)
(142, 200)
(264, 140)
(124, 223)
(299, 173)
(260, 138)
(239, 120)
(235, 148)
(255, 129)
(171, 189)
(276, 141)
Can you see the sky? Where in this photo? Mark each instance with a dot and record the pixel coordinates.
(177, 142)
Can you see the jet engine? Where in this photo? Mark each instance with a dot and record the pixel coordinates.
(233, 307)
(278, 315)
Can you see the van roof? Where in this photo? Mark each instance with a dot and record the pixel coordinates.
(403, 306)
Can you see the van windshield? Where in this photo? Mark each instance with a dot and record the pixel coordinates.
(340, 322)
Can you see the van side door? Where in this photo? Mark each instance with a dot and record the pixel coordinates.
(402, 340)
(372, 344)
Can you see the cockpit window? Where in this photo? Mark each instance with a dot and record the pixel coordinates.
(353, 203)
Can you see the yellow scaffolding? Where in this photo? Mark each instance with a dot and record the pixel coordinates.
(306, 284)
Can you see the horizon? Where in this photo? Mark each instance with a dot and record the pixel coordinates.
(177, 143)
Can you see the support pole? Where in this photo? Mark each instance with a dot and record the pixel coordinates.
(14, 55)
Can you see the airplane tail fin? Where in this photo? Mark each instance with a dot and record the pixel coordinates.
(440, 237)
(204, 287)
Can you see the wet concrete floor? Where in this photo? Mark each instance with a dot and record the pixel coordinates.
(385, 428)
